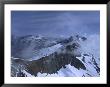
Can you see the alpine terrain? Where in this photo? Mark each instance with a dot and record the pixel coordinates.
(40, 56)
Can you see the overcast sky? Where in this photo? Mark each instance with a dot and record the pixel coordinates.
(55, 23)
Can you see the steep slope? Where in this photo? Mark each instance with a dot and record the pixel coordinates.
(26, 47)
(66, 57)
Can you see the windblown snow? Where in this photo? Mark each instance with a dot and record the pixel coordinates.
(46, 51)
(89, 57)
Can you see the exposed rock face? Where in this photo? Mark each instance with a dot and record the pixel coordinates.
(52, 65)
(67, 53)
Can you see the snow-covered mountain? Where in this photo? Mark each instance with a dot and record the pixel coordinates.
(28, 46)
(63, 57)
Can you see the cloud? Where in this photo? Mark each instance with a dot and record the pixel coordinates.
(55, 23)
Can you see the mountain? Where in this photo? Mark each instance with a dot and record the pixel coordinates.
(46, 56)
(28, 46)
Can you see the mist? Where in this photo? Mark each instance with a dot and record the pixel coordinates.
(55, 23)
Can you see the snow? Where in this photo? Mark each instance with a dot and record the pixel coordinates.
(27, 74)
(34, 37)
(89, 65)
(38, 38)
(69, 71)
(91, 47)
(46, 51)
(17, 58)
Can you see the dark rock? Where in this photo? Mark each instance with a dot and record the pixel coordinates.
(77, 64)
(84, 38)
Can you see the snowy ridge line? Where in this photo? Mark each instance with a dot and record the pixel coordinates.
(86, 54)
(69, 71)
(43, 52)
(46, 52)
(16, 58)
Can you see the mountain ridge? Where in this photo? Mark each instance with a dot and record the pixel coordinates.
(61, 54)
